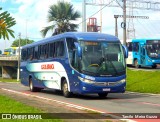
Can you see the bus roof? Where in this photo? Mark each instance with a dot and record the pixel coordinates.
(87, 36)
(144, 39)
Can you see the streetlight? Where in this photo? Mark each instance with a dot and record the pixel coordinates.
(26, 30)
(18, 70)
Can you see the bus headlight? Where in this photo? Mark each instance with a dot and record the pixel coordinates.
(122, 81)
(86, 80)
(153, 60)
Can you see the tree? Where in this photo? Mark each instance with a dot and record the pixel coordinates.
(6, 22)
(61, 15)
(22, 42)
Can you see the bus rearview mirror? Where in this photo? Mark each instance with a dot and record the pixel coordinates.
(125, 50)
(79, 49)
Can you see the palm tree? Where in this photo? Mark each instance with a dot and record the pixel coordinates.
(61, 15)
(6, 21)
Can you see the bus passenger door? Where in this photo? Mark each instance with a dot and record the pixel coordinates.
(73, 62)
(142, 56)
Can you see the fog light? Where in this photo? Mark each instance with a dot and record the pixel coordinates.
(84, 88)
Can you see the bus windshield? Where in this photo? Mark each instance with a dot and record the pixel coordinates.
(8, 50)
(102, 58)
(153, 48)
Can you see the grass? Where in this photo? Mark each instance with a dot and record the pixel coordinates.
(8, 80)
(143, 81)
(8, 105)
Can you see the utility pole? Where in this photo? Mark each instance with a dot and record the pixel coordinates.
(26, 31)
(116, 26)
(124, 22)
(18, 70)
(84, 16)
(101, 17)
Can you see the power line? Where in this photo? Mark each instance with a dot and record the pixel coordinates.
(151, 28)
(96, 12)
(24, 36)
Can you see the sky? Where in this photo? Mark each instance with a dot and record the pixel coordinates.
(31, 17)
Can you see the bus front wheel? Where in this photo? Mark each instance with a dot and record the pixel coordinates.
(102, 95)
(32, 88)
(154, 66)
(66, 92)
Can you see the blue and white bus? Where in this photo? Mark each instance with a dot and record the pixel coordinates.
(144, 52)
(75, 62)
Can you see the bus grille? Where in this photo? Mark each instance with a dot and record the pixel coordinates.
(106, 83)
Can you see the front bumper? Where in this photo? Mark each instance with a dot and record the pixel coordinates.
(90, 88)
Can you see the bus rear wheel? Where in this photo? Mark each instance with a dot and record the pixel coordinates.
(65, 90)
(136, 64)
(32, 88)
(102, 95)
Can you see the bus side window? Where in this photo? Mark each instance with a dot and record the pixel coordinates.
(73, 58)
(36, 52)
(136, 47)
(24, 54)
(51, 50)
(27, 53)
(59, 50)
(71, 46)
(46, 51)
(39, 51)
(42, 54)
(143, 51)
(129, 45)
(30, 53)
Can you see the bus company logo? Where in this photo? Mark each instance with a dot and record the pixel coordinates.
(47, 66)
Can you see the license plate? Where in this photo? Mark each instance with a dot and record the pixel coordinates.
(106, 89)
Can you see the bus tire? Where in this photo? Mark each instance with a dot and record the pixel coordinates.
(102, 95)
(154, 66)
(32, 88)
(66, 93)
(136, 64)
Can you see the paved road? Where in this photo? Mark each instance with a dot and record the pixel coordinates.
(114, 103)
